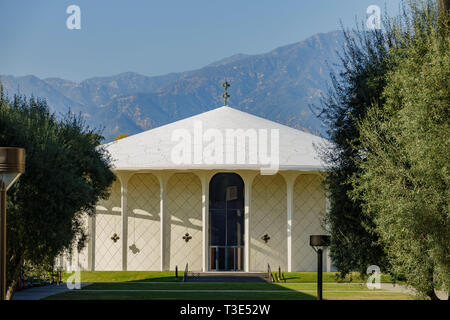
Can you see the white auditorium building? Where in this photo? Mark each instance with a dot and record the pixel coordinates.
(222, 191)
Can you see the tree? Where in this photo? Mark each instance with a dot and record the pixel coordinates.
(359, 83)
(67, 172)
(405, 138)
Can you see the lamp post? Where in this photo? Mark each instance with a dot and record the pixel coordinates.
(12, 165)
(317, 242)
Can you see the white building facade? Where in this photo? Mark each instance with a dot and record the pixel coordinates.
(180, 198)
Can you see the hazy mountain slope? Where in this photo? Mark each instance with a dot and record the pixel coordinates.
(100, 90)
(278, 85)
(31, 85)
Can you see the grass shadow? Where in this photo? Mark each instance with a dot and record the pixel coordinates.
(119, 285)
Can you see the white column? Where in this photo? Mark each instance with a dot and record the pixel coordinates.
(124, 178)
(289, 177)
(290, 210)
(248, 180)
(205, 179)
(91, 246)
(163, 179)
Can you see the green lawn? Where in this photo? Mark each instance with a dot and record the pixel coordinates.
(122, 276)
(353, 277)
(163, 285)
(169, 276)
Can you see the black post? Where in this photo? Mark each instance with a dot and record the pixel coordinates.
(319, 274)
(176, 272)
(319, 241)
(3, 240)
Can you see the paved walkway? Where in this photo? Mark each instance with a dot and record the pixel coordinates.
(403, 289)
(38, 293)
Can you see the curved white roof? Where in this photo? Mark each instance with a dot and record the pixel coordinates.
(154, 149)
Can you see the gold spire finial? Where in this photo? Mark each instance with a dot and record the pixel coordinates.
(225, 95)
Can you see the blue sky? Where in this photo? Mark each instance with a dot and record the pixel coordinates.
(158, 36)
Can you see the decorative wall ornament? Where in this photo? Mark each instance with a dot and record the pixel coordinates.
(115, 237)
(187, 237)
(265, 238)
(134, 249)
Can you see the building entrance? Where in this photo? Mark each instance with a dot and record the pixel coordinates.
(226, 222)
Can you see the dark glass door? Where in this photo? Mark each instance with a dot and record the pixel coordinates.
(226, 222)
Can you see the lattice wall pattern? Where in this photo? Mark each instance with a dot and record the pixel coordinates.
(108, 254)
(184, 215)
(144, 226)
(75, 259)
(268, 215)
(307, 219)
(81, 258)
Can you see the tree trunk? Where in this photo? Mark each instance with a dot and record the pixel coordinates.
(14, 266)
(432, 295)
(430, 284)
(11, 290)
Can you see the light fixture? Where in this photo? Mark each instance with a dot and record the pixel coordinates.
(318, 242)
(12, 165)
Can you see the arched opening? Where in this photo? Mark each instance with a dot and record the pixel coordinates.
(226, 222)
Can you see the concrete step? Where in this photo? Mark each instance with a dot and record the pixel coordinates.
(227, 277)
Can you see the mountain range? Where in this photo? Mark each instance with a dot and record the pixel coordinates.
(279, 85)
